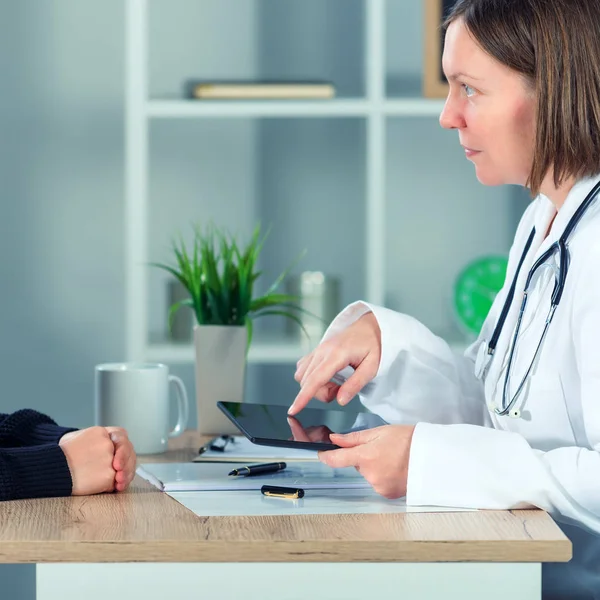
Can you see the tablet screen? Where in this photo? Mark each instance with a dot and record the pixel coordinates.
(270, 425)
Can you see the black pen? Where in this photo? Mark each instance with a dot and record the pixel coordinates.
(260, 469)
(275, 491)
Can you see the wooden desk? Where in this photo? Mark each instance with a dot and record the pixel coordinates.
(74, 541)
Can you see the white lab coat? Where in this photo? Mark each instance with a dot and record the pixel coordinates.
(463, 455)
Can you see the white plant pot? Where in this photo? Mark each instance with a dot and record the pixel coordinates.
(220, 374)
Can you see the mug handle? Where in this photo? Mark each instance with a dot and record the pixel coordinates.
(182, 404)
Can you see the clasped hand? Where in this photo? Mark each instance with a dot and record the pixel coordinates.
(101, 459)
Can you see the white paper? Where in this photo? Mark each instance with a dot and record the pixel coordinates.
(315, 502)
(173, 477)
(242, 449)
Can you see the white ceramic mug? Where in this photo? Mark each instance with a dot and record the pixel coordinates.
(136, 396)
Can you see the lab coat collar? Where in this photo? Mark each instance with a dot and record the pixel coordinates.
(547, 210)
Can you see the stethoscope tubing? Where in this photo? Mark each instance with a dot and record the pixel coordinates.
(559, 246)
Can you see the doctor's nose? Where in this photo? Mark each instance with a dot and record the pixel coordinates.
(451, 118)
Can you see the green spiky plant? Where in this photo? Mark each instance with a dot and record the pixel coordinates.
(220, 278)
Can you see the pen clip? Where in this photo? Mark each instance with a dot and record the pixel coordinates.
(294, 496)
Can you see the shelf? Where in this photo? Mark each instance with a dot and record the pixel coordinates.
(256, 108)
(269, 351)
(414, 107)
(262, 351)
(407, 107)
(305, 161)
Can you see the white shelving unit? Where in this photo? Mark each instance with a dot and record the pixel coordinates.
(267, 351)
(141, 110)
(181, 109)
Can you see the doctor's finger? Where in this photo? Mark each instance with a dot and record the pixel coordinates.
(301, 366)
(344, 457)
(326, 363)
(328, 392)
(357, 381)
(313, 363)
(315, 382)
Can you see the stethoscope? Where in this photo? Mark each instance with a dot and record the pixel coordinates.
(486, 350)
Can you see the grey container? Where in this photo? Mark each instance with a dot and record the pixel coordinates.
(182, 329)
(320, 295)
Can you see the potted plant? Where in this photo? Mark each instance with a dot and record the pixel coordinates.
(220, 277)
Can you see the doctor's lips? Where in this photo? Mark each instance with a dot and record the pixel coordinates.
(470, 151)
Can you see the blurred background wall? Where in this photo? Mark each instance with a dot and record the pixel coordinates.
(62, 173)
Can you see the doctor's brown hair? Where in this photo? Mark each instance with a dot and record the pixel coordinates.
(555, 45)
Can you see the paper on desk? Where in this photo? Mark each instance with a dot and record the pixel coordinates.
(315, 502)
(174, 477)
(242, 449)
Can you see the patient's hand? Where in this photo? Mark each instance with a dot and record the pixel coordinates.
(90, 454)
(101, 459)
(124, 461)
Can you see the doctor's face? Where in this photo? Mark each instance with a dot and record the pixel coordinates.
(492, 108)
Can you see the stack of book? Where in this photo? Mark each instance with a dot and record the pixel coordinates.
(260, 90)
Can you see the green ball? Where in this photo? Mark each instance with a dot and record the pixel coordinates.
(476, 288)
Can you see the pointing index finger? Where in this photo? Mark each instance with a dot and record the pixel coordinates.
(316, 380)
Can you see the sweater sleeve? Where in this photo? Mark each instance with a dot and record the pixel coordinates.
(38, 471)
(29, 428)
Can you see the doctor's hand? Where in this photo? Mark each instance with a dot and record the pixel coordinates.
(358, 346)
(380, 455)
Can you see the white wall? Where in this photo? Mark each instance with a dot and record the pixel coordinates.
(61, 243)
(61, 246)
(61, 168)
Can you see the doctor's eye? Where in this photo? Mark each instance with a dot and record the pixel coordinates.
(469, 91)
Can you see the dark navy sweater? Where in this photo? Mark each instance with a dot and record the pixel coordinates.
(32, 464)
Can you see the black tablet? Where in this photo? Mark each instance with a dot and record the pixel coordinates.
(270, 425)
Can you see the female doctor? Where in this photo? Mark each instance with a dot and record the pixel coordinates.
(515, 422)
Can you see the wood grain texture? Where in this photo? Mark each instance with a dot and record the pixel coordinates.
(144, 524)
